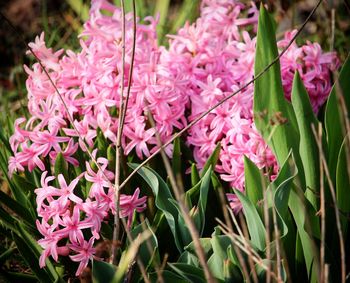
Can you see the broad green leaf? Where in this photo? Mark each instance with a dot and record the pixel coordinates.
(188, 258)
(333, 118)
(217, 260)
(343, 183)
(199, 218)
(303, 214)
(148, 251)
(194, 175)
(111, 157)
(176, 161)
(206, 245)
(269, 102)
(102, 272)
(188, 272)
(163, 196)
(168, 276)
(281, 188)
(184, 233)
(308, 145)
(212, 160)
(255, 182)
(255, 225)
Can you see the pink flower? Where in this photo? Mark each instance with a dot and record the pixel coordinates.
(49, 140)
(130, 204)
(85, 251)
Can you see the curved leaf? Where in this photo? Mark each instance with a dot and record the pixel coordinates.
(307, 147)
(333, 120)
(255, 225)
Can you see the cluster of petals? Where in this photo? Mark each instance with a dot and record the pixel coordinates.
(205, 62)
(89, 89)
(217, 53)
(66, 215)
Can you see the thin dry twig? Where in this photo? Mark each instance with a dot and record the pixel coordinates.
(195, 121)
(323, 215)
(118, 150)
(238, 252)
(138, 260)
(244, 245)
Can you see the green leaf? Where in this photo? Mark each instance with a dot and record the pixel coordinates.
(194, 175)
(5, 255)
(184, 233)
(216, 262)
(343, 184)
(111, 157)
(80, 8)
(188, 258)
(269, 100)
(255, 225)
(7, 220)
(102, 272)
(30, 251)
(212, 160)
(148, 251)
(199, 218)
(281, 188)
(188, 272)
(255, 182)
(19, 277)
(333, 118)
(261, 272)
(308, 145)
(188, 12)
(61, 166)
(176, 161)
(168, 276)
(206, 245)
(17, 208)
(162, 7)
(4, 140)
(163, 199)
(304, 216)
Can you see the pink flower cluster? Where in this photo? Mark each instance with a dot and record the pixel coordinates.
(217, 53)
(205, 62)
(66, 215)
(89, 82)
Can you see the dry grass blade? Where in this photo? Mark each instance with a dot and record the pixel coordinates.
(118, 150)
(323, 216)
(195, 121)
(134, 242)
(244, 245)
